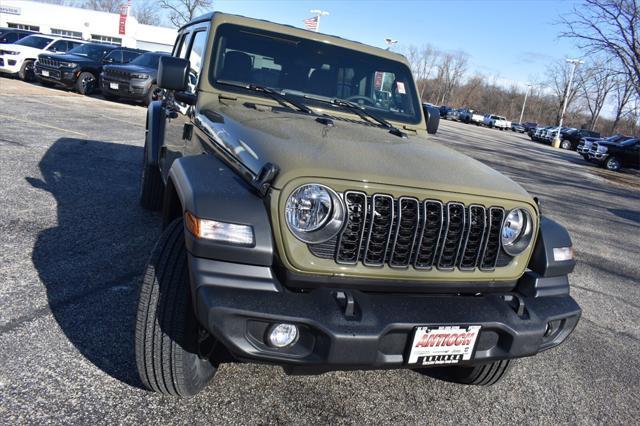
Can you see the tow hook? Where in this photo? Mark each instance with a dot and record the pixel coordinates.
(347, 303)
(517, 304)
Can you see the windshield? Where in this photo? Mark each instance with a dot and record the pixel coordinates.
(299, 67)
(150, 60)
(93, 51)
(34, 41)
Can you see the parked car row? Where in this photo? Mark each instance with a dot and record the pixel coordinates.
(119, 72)
(614, 153)
(470, 116)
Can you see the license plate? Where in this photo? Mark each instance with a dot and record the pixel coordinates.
(114, 86)
(45, 73)
(443, 345)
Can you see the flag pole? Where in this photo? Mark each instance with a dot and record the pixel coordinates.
(318, 14)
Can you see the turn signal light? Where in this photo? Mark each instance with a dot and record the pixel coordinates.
(214, 230)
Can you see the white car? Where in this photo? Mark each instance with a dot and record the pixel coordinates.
(497, 121)
(19, 58)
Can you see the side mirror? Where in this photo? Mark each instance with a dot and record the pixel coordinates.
(107, 61)
(432, 114)
(173, 73)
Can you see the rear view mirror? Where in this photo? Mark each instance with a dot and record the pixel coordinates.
(173, 73)
(432, 114)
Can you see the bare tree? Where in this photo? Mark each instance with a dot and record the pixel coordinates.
(112, 6)
(146, 12)
(423, 61)
(182, 11)
(611, 27)
(594, 83)
(558, 75)
(450, 71)
(622, 92)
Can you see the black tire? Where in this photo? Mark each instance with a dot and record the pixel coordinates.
(151, 186)
(167, 331)
(86, 83)
(479, 375)
(27, 71)
(566, 144)
(586, 157)
(612, 163)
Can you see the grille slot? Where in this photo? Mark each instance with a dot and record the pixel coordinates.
(407, 232)
(381, 222)
(49, 62)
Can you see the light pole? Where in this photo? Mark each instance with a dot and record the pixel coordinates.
(390, 42)
(525, 102)
(319, 13)
(574, 64)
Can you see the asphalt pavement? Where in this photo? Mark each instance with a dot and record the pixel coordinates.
(73, 243)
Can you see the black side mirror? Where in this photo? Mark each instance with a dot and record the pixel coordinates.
(432, 114)
(173, 73)
(107, 61)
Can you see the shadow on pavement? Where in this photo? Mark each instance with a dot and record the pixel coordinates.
(91, 261)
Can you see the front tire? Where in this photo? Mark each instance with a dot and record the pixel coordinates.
(478, 375)
(167, 334)
(27, 71)
(86, 83)
(565, 144)
(613, 164)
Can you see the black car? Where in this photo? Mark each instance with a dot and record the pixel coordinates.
(616, 155)
(80, 67)
(571, 138)
(517, 127)
(11, 35)
(135, 80)
(444, 111)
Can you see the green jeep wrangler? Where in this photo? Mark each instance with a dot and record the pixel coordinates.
(309, 224)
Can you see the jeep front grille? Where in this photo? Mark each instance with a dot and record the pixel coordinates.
(48, 62)
(407, 232)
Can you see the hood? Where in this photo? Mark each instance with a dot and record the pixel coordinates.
(24, 50)
(69, 57)
(139, 69)
(350, 150)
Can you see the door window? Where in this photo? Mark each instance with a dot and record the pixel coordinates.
(114, 57)
(10, 38)
(196, 55)
(59, 46)
(128, 56)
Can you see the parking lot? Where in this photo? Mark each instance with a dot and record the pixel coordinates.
(74, 243)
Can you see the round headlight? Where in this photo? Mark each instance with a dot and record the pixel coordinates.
(314, 213)
(516, 231)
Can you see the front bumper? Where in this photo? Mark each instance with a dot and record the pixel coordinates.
(63, 76)
(10, 64)
(239, 303)
(130, 89)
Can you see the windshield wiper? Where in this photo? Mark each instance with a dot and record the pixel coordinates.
(273, 94)
(359, 111)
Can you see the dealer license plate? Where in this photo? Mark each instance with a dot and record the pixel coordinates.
(45, 73)
(443, 345)
(114, 86)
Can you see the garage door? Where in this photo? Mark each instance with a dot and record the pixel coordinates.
(154, 47)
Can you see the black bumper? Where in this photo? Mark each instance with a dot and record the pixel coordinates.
(239, 303)
(126, 89)
(63, 76)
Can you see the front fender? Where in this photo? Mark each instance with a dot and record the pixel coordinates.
(208, 189)
(154, 132)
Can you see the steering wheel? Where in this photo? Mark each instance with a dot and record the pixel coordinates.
(366, 99)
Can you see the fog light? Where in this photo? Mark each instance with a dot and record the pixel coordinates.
(562, 253)
(283, 335)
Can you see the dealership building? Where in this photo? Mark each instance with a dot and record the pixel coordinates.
(91, 25)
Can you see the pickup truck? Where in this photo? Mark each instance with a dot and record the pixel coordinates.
(497, 121)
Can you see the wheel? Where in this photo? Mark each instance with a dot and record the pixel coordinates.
(168, 338)
(479, 375)
(565, 144)
(150, 96)
(586, 157)
(151, 186)
(86, 83)
(26, 72)
(613, 164)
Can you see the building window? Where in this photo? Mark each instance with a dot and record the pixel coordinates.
(106, 39)
(66, 33)
(23, 27)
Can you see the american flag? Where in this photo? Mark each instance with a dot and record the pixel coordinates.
(311, 23)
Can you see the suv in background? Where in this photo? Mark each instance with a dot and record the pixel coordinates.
(19, 58)
(135, 80)
(11, 35)
(571, 138)
(307, 226)
(80, 68)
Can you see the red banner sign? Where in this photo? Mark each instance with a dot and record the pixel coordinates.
(123, 20)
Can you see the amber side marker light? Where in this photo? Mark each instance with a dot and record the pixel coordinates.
(230, 233)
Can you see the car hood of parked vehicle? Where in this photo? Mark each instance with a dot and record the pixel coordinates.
(301, 145)
(23, 50)
(70, 57)
(131, 68)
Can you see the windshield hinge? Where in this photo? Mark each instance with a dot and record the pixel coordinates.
(411, 129)
(262, 182)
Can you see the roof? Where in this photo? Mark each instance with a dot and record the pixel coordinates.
(283, 28)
